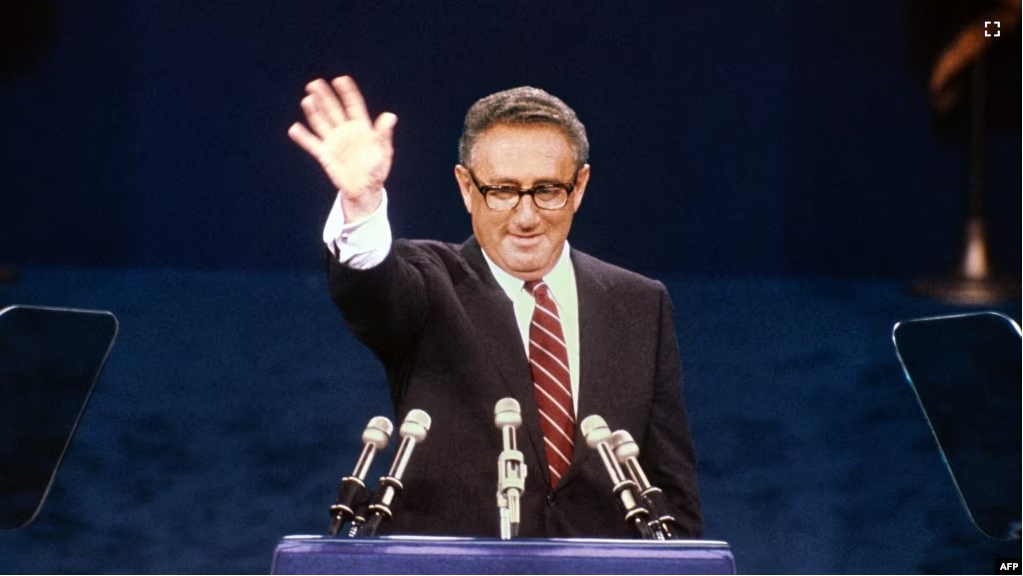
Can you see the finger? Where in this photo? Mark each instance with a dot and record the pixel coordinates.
(326, 101)
(385, 125)
(304, 138)
(316, 118)
(355, 106)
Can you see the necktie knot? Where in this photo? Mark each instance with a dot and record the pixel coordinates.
(538, 288)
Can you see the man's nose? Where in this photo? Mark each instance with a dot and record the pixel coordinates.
(526, 213)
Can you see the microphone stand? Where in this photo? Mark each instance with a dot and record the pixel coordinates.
(352, 495)
(626, 453)
(511, 467)
(388, 489)
(352, 500)
(511, 483)
(415, 427)
(623, 490)
(653, 498)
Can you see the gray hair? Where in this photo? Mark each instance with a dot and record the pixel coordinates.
(523, 105)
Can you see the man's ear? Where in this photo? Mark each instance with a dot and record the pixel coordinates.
(465, 185)
(581, 180)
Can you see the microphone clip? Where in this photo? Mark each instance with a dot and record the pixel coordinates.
(511, 483)
(511, 476)
(352, 501)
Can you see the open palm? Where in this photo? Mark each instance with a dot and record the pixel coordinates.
(354, 152)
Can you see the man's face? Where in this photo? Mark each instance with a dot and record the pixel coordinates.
(526, 241)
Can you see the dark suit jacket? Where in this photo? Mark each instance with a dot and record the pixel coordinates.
(447, 336)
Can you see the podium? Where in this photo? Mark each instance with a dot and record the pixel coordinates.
(443, 555)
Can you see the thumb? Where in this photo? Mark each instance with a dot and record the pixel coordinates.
(385, 124)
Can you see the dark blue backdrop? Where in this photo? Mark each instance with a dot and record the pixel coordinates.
(747, 140)
(764, 137)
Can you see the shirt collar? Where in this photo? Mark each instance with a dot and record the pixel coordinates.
(559, 279)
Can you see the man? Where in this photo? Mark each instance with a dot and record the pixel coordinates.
(512, 312)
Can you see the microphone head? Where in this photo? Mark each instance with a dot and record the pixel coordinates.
(416, 425)
(378, 432)
(595, 430)
(507, 413)
(624, 446)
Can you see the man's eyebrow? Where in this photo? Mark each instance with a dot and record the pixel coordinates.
(507, 181)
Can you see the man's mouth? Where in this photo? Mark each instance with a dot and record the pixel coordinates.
(525, 240)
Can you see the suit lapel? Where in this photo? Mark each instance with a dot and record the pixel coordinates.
(498, 335)
(597, 313)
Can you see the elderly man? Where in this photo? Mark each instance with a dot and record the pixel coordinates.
(512, 312)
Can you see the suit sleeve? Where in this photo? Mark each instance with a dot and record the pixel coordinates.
(384, 306)
(667, 454)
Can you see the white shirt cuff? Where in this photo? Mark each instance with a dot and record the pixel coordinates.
(361, 245)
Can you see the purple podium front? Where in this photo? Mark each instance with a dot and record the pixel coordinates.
(426, 555)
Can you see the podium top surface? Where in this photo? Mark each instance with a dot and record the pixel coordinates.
(454, 555)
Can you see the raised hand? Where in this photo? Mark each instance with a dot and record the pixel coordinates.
(355, 153)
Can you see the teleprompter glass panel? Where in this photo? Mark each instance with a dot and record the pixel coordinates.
(49, 360)
(966, 373)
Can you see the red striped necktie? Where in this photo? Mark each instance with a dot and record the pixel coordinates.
(548, 361)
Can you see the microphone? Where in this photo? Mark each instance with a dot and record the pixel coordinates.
(627, 452)
(511, 467)
(596, 432)
(352, 496)
(413, 430)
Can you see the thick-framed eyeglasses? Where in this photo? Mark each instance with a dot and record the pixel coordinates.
(545, 196)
